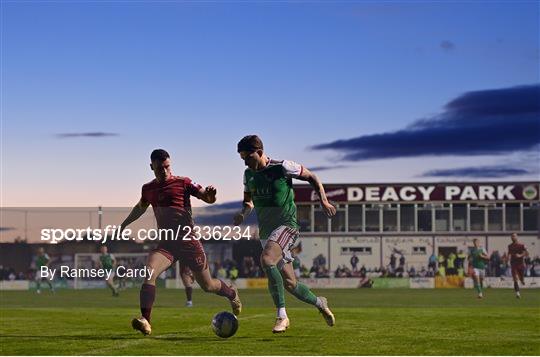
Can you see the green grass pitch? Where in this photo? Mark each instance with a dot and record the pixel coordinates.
(369, 322)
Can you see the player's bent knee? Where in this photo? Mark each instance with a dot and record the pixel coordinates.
(290, 285)
(268, 259)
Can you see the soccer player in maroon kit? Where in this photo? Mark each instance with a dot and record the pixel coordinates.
(517, 253)
(170, 199)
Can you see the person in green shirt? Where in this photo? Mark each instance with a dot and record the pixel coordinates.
(107, 261)
(478, 258)
(42, 260)
(268, 187)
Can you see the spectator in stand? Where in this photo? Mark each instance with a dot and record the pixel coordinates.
(441, 268)
(322, 272)
(460, 263)
(532, 270)
(495, 264)
(450, 264)
(504, 266)
(432, 263)
(221, 272)
(392, 263)
(233, 274)
(347, 272)
(354, 262)
(412, 272)
(319, 260)
(401, 268)
(363, 271)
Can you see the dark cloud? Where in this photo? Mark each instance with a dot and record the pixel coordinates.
(478, 172)
(488, 122)
(447, 45)
(97, 134)
(221, 214)
(325, 168)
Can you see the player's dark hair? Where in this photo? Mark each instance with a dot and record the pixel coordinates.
(250, 143)
(159, 155)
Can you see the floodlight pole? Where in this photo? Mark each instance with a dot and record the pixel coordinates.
(100, 214)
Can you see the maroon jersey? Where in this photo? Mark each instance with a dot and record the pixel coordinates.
(516, 248)
(170, 201)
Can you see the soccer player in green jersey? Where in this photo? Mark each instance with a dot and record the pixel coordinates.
(478, 258)
(42, 260)
(268, 188)
(108, 262)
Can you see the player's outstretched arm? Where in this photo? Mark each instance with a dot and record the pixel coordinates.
(207, 194)
(135, 213)
(484, 255)
(247, 207)
(314, 181)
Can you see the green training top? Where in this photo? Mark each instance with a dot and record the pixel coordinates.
(107, 261)
(42, 260)
(273, 196)
(477, 261)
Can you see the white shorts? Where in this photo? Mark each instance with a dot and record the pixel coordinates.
(481, 273)
(287, 238)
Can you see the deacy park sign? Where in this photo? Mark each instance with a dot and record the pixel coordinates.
(523, 191)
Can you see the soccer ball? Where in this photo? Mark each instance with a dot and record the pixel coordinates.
(225, 324)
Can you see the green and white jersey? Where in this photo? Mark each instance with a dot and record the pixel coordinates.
(477, 261)
(273, 196)
(107, 261)
(42, 260)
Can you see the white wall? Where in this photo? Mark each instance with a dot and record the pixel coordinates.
(311, 247)
(532, 243)
(460, 242)
(404, 245)
(341, 257)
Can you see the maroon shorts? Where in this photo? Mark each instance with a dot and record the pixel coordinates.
(518, 270)
(184, 270)
(189, 255)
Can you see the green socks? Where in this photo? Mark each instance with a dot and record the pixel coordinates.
(275, 285)
(303, 293)
(478, 288)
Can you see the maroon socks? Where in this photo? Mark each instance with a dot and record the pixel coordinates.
(226, 291)
(147, 296)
